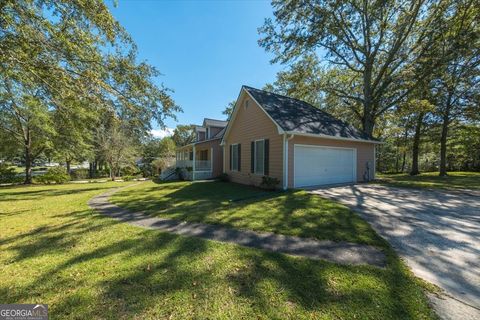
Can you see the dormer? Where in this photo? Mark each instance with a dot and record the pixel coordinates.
(213, 127)
(200, 133)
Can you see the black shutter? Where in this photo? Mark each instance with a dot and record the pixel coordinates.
(230, 158)
(239, 157)
(266, 152)
(252, 157)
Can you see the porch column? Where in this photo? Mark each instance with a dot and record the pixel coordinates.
(193, 164)
(211, 160)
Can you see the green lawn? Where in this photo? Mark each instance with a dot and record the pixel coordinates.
(295, 213)
(55, 250)
(454, 180)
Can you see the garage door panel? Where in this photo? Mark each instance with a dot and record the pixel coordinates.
(317, 165)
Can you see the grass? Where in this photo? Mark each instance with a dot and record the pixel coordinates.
(296, 213)
(454, 180)
(55, 250)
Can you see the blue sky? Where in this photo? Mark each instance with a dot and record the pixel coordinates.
(205, 49)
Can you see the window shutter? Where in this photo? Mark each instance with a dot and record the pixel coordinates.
(239, 157)
(252, 157)
(231, 158)
(266, 156)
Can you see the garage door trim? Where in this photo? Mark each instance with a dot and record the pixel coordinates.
(328, 147)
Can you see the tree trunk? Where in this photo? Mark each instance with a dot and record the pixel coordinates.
(67, 162)
(28, 159)
(112, 172)
(397, 163)
(90, 170)
(443, 143)
(404, 160)
(368, 124)
(405, 136)
(416, 144)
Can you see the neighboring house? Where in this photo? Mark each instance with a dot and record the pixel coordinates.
(206, 151)
(288, 139)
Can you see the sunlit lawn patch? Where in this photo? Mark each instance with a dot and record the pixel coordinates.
(55, 250)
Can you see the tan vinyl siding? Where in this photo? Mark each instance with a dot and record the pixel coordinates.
(217, 156)
(252, 124)
(365, 152)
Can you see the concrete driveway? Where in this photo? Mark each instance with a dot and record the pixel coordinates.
(436, 232)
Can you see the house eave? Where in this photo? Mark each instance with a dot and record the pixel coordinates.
(325, 136)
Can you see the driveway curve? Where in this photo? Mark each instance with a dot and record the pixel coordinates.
(437, 232)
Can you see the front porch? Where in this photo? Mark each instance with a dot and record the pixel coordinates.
(195, 162)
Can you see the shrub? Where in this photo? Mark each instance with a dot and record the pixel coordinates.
(127, 178)
(54, 175)
(269, 183)
(8, 174)
(224, 177)
(80, 174)
(129, 170)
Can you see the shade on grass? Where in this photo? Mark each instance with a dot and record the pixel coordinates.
(454, 180)
(54, 250)
(296, 213)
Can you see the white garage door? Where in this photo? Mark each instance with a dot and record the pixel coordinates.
(317, 165)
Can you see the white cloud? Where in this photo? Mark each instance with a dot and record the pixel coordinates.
(162, 133)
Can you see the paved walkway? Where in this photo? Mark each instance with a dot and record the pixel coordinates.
(338, 252)
(437, 232)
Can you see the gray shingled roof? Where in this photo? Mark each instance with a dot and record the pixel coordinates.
(298, 116)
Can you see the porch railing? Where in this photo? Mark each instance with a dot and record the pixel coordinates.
(200, 165)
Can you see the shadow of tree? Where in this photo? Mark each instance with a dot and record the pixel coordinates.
(88, 266)
(150, 274)
(436, 231)
(291, 213)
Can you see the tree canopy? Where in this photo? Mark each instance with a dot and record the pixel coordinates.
(63, 66)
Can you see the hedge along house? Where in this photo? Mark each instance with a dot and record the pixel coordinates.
(288, 139)
(203, 159)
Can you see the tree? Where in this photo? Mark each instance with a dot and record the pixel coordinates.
(74, 134)
(117, 148)
(158, 154)
(229, 108)
(380, 46)
(25, 121)
(456, 85)
(53, 60)
(302, 80)
(183, 135)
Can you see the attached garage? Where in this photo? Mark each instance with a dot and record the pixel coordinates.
(322, 165)
(307, 146)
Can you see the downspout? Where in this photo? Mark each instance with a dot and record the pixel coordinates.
(224, 170)
(193, 164)
(285, 160)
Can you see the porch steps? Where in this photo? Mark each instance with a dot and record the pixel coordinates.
(168, 174)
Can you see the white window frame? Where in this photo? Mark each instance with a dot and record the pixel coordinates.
(255, 157)
(238, 160)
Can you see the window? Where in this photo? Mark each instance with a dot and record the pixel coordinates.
(235, 157)
(246, 103)
(259, 156)
(204, 155)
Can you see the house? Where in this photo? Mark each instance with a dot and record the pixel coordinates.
(206, 151)
(280, 137)
(288, 139)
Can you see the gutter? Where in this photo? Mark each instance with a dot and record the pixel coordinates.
(325, 136)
